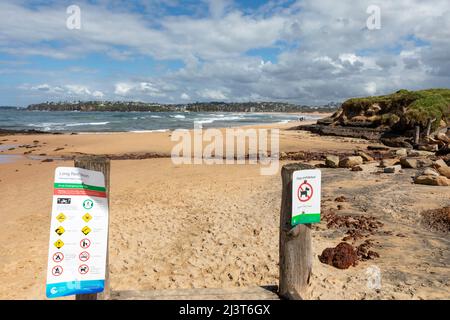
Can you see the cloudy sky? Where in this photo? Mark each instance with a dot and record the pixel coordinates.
(172, 51)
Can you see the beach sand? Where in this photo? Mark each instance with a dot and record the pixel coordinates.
(198, 226)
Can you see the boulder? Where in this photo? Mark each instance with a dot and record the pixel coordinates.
(332, 161)
(396, 142)
(419, 153)
(432, 180)
(349, 162)
(364, 155)
(429, 147)
(409, 163)
(389, 162)
(401, 152)
(440, 163)
(430, 172)
(424, 162)
(392, 169)
(443, 137)
(442, 168)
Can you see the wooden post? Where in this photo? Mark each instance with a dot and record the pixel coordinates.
(430, 122)
(295, 242)
(97, 163)
(417, 135)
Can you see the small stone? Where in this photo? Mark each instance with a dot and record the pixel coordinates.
(389, 162)
(364, 155)
(392, 169)
(357, 168)
(408, 163)
(349, 162)
(341, 199)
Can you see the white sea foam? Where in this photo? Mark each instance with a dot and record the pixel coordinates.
(86, 124)
(146, 131)
(178, 116)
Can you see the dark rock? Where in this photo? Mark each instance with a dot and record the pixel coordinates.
(342, 256)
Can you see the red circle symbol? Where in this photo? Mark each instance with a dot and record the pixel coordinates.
(85, 243)
(83, 269)
(84, 256)
(58, 257)
(57, 271)
(304, 192)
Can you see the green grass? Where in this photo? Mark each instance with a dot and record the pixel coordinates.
(405, 108)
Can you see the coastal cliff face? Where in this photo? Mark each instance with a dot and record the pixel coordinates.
(400, 111)
(390, 118)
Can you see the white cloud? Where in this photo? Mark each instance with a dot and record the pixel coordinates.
(70, 90)
(371, 88)
(318, 50)
(212, 94)
(122, 88)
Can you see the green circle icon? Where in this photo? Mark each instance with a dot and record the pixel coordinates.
(88, 204)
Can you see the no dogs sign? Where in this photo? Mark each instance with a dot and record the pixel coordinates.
(306, 196)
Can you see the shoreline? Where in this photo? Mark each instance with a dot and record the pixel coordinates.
(5, 131)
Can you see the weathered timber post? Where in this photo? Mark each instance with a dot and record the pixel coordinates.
(295, 242)
(417, 135)
(430, 122)
(102, 164)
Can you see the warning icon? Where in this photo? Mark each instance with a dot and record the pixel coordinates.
(57, 271)
(87, 217)
(86, 230)
(84, 256)
(83, 269)
(61, 217)
(60, 230)
(58, 257)
(85, 243)
(59, 243)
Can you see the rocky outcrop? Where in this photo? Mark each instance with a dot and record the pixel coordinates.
(393, 119)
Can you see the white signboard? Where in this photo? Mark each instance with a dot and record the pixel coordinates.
(306, 196)
(78, 233)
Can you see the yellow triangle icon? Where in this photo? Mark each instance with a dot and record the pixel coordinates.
(59, 243)
(60, 230)
(61, 217)
(86, 230)
(87, 217)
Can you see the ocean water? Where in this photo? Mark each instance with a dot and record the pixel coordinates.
(62, 121)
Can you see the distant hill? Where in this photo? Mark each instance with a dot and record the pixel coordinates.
(194, 107)
(9, 108)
